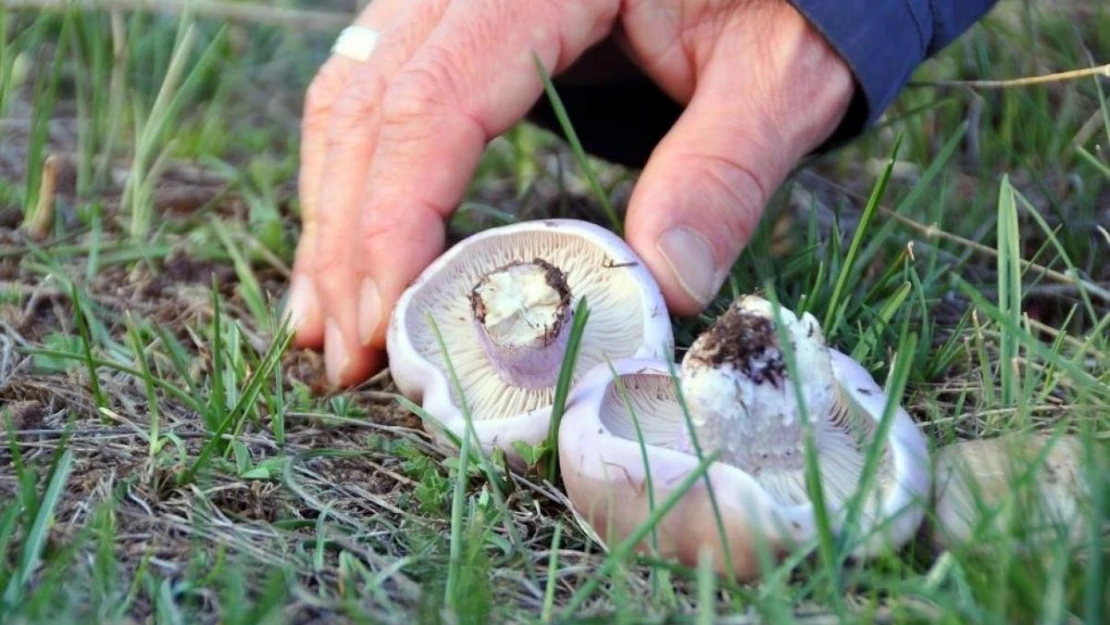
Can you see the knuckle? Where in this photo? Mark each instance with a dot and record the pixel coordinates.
(382, 225)
(324, 87)
(418, 224)
(332, 289)
(331, 258)
(358, 98)
(420, 90)
(327, 262)
(348, 107)
(700, 29)
(743, 189)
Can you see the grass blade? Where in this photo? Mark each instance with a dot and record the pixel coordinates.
(1009, 289)
(833, 312)
(35, 540)
(562, 385)
(576, 146)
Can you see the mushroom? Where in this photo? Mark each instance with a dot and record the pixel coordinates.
(504, 302)
(742, 404)
(1029, 486)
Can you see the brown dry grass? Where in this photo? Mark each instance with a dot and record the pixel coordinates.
(355, 486)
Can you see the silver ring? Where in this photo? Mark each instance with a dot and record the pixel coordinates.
(356, 42)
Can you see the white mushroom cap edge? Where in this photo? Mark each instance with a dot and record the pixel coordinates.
(628, 318)
(982, 486)
(605, 478)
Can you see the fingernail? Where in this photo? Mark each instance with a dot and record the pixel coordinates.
(369, 311)
(691, 259)
(296, 309)
(335, 352)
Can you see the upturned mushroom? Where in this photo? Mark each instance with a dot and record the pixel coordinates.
(504, 302)
(741, 404)
(1025, 486)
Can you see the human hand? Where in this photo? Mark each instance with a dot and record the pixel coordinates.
(389, 145)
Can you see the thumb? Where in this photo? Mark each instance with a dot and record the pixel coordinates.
(764, 99)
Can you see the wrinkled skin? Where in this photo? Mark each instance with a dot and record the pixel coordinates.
(389, 145)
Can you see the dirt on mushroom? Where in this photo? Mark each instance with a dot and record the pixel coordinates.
(747, 342)
(761, 494)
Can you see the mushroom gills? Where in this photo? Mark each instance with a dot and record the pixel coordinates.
(503, 302)
(776, 459)
(655, 411)
(739, 403)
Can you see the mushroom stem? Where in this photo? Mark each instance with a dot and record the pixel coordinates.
(742, 401)
(521, 313)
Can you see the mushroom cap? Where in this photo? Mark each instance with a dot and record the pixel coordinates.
(628, 318)
(605, 478)
(984, 485)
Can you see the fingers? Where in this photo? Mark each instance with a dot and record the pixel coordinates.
(353, 129)
(704, 189)
(470, 79)
(303, 310)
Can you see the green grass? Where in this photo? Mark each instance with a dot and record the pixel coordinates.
(167, 459)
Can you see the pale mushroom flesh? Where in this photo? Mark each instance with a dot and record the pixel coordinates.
(1030, 487)
(742, 404)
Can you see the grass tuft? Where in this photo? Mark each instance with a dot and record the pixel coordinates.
(168, 458)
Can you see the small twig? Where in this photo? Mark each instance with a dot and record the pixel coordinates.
(1069, 339)
(980, 416)
(301, 19)
(1061, 290)
(933, 232)
(10, 333)
(8, 364)
(1075, 74)
(42, 219)
(881, 614)
(35, 293)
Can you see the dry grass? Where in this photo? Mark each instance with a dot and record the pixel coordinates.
(316, 507)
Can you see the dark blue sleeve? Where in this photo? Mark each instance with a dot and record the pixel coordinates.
(884, 41)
